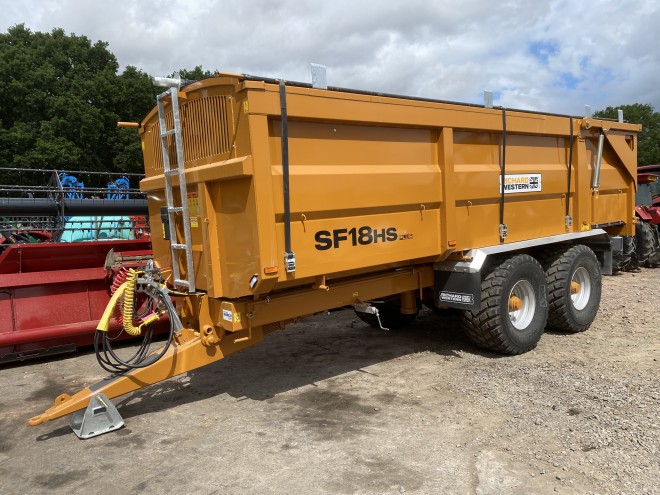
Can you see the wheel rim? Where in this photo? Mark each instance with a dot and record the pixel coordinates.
(522, 304)
(580, 288)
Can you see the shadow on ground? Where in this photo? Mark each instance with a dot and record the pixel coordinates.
(316, 349)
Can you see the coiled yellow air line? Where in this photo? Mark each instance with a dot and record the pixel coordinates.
(127, 290)
(129, 296)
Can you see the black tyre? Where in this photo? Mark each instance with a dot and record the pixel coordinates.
(514, 307)
(574, 289)
(390, 315)
(626, 261)
(645, 242)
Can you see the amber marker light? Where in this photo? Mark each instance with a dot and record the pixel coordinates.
(270, 270)
(452, 243)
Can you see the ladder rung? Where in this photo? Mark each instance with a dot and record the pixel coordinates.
(172, 171)
(175, 209)
(178, 281)
(167, 133)
(180, 247)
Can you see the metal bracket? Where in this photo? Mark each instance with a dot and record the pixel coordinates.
(101, 416)
(370, 310)
(319, 78)
(503, 230)
(568, 221)
(290, 262)
(488, 99)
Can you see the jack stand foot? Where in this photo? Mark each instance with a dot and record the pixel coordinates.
(101, 416)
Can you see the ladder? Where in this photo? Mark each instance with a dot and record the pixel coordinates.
(178, 247)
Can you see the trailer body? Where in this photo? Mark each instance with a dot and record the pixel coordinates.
(376, 183)
(278, 200)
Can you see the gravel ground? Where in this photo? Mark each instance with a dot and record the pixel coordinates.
(332, 406)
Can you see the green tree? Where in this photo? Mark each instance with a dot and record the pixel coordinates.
(648, 146)
(196, 74)
(60, 99)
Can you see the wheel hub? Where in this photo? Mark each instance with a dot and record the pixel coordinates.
(515, 303)
(522, 304)
(580, 288)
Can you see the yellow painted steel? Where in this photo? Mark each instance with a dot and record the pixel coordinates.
(363, 164)
(380, 189)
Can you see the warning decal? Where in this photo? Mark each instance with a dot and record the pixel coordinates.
(521, 183)
(193, 209)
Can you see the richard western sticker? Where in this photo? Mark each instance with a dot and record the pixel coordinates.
(521, 183)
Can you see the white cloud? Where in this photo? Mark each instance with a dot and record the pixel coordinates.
(554, 56)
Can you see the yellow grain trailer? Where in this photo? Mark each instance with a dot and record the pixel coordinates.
(279, 200)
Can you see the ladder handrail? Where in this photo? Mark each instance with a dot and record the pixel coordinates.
(172, 208)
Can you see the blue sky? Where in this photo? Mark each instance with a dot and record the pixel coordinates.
(554, 56)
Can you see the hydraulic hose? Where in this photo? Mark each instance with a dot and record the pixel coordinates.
(157, 305)
(129, 296)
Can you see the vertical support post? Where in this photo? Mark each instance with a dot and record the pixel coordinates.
(582, 179)
(448, 205)
(599, 159)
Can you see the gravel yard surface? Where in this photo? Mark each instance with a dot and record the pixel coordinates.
(333, 406)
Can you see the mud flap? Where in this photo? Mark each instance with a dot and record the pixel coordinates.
(458, 290)
(101, 416)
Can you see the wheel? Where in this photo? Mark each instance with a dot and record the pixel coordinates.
(626, 260)
(574, 289)
(389, 313)
(645, 242)
(514, 308)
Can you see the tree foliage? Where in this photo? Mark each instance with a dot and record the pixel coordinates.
(196, 74)
(61, 97)
(60, 100)
(648, 145)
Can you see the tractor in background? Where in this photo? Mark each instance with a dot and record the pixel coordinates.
(647, 209)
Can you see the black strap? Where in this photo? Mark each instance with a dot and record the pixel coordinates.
(285, 172)
(570, 167)
(502, 176)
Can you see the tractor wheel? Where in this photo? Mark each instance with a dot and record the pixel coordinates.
(389, 313)
(574, 289)
(645, 244)
(626, 261)
(514, 308)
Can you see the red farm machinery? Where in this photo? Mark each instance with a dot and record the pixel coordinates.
(647, 209)
(67, 241)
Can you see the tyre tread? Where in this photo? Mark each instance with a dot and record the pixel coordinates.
(485, 328)
(557, 272)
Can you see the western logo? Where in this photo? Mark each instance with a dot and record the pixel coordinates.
(521, 183)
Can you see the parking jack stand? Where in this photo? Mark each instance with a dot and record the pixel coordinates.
(101, 416)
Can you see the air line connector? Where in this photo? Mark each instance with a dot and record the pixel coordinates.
(290, 262)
